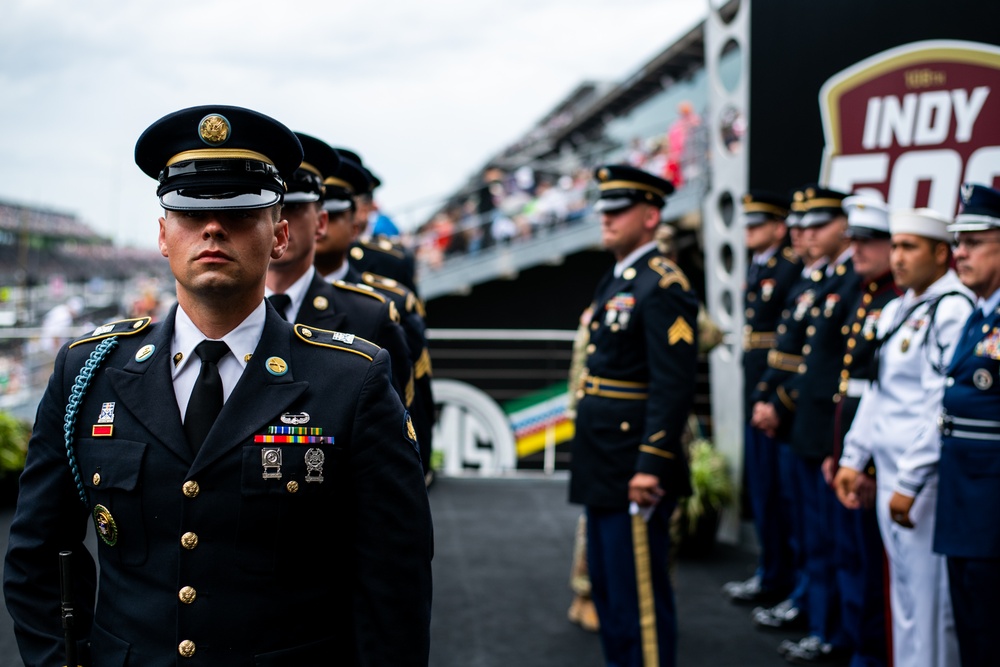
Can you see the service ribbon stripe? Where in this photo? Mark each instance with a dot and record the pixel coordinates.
(294, 439)
(294, 430)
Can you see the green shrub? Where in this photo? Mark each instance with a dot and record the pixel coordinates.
(710, 481)
(14, 434)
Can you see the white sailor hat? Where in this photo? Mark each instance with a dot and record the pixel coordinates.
(924, 222)
(867, 217)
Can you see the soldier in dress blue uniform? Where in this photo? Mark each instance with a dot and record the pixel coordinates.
(255, 485)
(774, 412)
(628, 463)
(859, 556)
(809, 392)
(773, 270)
(967, 530)
(332, 263)
(300, 294)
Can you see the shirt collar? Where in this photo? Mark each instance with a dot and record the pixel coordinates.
(242, 340)
(990, 304)
(765, 256)
(296, 292)
(338, 274)
(632, 257)
(844, 256)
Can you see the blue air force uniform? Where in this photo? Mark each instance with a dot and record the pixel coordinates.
(966, 529)
(635, 396)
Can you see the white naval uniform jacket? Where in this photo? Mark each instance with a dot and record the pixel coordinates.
(896, 422)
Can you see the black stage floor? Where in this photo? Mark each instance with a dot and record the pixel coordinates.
(501, 587)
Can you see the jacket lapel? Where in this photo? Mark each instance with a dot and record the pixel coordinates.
(147, 390)
(258, 398)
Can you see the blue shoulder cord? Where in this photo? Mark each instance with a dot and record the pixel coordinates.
(73, 406)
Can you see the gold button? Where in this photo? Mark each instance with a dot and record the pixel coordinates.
(861, 312)
(186, 648)
(810, 330)
(750, 313)
(806, 349)
(836, 397)
(841, 270)
(844, 330)
(191, 489)
(785, 314)
(848, 359)
(189, 540)
(187, 594)
(782, 328)
(851, 344)
(751, 297)
(856, 327)
(307, 333)
(615, 326)
(866, 299)
(591, 348)
(815, 311)
(625, 426)
(292, 486)
(97, 479)
(802, 369)
(845, 374)
(594, 325)
(872, 286)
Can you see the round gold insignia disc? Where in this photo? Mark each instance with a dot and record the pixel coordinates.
(145, 352)
(629, 273)
(357, 253)
(321, 303)
(276, 366)
(214, 129)
(107, 529)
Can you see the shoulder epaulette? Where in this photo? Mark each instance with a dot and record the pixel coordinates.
(338, 341)
(789, 254)
(360, 289)
(383, 245)
(116, 328)
(669, 272)
(391, 285)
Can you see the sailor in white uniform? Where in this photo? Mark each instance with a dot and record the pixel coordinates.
(896, 427)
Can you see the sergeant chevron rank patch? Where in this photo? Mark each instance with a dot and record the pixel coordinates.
(680, 330)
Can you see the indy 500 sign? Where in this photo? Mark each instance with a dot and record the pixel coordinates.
(914, 123)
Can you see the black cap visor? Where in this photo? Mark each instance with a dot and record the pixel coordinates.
(219, 184)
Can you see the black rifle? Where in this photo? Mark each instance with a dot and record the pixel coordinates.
(66, 595)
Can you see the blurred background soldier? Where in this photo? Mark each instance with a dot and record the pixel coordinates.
(896, 427)
(773, 270)
(629, 465)
(966, 529)
(859, 558)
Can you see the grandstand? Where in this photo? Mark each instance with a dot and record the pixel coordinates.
(46, 258)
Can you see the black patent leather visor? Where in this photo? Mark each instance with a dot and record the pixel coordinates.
(219, 184)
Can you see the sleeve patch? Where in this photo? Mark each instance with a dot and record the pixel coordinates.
(680, 330)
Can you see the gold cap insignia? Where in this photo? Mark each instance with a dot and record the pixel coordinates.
(214, 129)
(357, 253)
(603, 174)
(321, 303)
(276, 366)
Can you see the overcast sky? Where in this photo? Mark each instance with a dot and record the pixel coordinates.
(425, 92)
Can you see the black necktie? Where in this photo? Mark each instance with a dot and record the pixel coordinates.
(281, 302)
(207, 396)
